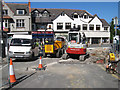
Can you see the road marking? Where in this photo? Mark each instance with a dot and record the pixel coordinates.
(50, 64)
(3, 66)
(65, 60)
(111, 74)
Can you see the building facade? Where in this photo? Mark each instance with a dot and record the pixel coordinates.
(96, 30)
(22, 18)
(16, 17)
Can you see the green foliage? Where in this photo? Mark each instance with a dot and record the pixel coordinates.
(112, 31)
(118, 32)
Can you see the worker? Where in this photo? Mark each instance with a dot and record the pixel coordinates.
(86, 43)
(46, 40)
(37, 44)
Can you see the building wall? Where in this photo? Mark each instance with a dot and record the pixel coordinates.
(80, 21)
(62, 19)
(27, 22)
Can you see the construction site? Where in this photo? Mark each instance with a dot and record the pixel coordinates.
(58, 48)
(61, 62)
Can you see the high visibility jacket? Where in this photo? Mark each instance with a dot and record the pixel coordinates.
(46, 41)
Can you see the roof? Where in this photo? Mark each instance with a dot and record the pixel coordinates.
(54, 13)
(104, 22)
(43, 20)
(6, 16)
(14, 6)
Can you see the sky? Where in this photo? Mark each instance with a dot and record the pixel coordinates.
(104, 10)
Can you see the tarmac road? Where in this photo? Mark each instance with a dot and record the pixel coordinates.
(61, 75)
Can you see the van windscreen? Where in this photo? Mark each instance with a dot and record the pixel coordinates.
(20, 42)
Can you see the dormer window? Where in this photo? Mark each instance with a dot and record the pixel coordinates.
(85, 16)
(45, 14)
(75, 15)
(62, 14)
(20, 12)
(5, 12)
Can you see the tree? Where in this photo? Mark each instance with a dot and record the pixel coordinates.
(112, 31)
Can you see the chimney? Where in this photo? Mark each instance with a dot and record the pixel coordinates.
(29, 6)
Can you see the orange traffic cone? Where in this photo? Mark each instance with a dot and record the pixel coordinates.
(11, 72)
(40, 67)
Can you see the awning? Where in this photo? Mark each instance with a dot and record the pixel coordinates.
(97, 34)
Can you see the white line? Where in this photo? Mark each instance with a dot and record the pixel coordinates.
(3, 66)
(51, 63)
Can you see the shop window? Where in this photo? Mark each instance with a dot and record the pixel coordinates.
(105, 40)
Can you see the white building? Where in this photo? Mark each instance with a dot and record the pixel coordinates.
(61, 20)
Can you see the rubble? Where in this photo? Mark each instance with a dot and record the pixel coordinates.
(98, 55)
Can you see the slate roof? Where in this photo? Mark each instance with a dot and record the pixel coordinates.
(43, 20)
(54, 13)
(104, 22)
(14, 6)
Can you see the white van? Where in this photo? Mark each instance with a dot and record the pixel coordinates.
(23, 46)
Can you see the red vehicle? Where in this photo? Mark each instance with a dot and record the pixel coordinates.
(76, 44)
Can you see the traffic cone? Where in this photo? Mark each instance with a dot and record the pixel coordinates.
(11, 72)
(40, 67)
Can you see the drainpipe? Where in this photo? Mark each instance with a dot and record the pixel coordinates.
(1, 32)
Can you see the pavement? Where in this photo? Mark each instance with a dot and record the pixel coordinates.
(59, 74)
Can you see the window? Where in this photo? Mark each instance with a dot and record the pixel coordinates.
(84, 26)
(49, 26)
(75, 15)
(20, 23)
(79, 27)
(105, 28)
(91, 27)
(85, 16)
(62, 14)
(5, 12)
(33, 26)
(97, 27)
(105, 40)
(67, 25)
(6, 23)
(20, 12)
(45, 14)
(59, 25)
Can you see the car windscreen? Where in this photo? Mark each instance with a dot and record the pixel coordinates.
(20, 42)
